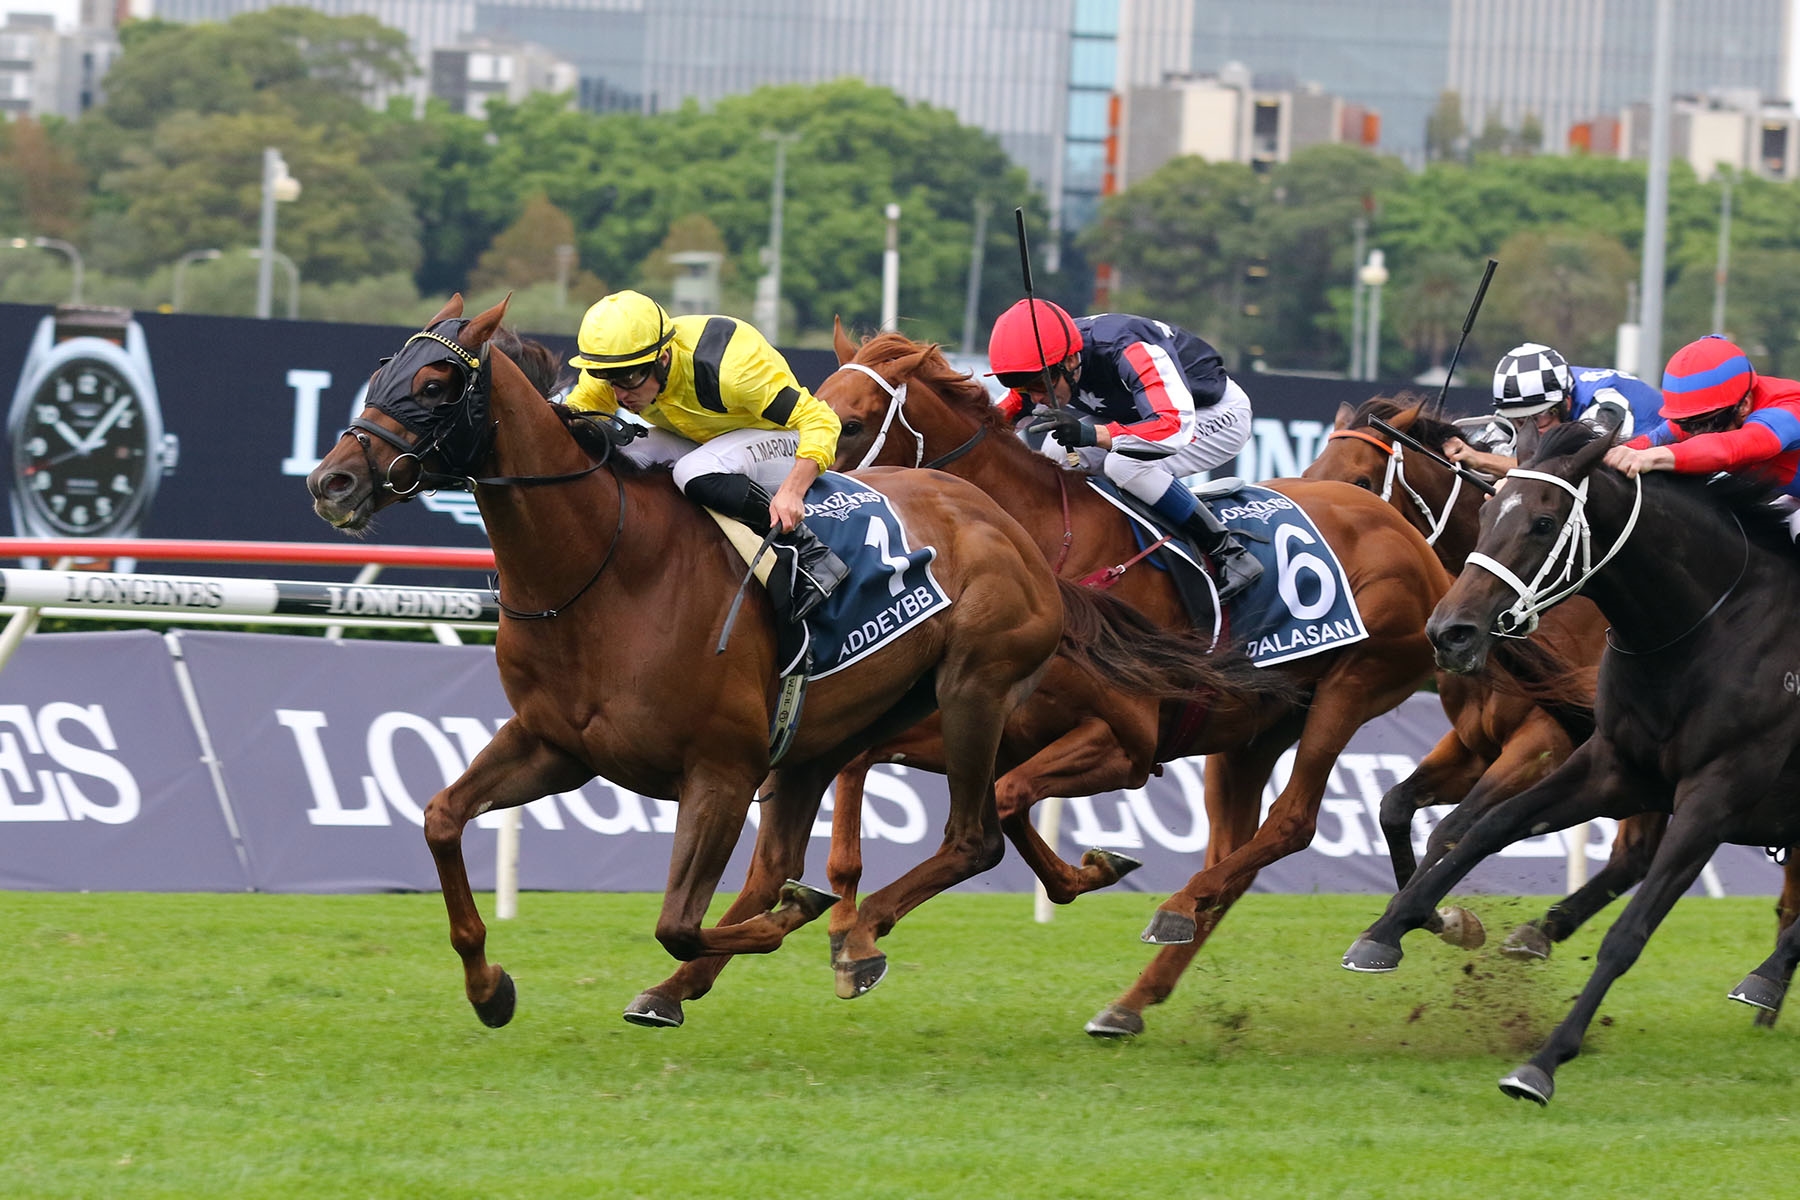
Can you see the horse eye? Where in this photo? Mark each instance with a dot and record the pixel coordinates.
(1543, 526)
(852, 428)
(1364, 482)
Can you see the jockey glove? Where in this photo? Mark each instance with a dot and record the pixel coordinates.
(1066, 428)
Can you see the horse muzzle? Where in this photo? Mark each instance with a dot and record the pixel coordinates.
(1461, 646)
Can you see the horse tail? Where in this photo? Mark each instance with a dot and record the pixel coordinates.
(1561, 688)
(1125, 649)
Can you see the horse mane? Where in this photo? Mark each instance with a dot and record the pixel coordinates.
(1430, 430)
(1746, 496)
(959, 389)
(589, 431)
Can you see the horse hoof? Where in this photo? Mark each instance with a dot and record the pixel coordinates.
(1526, 943)
(1462, 928)
(1114, 1021)
(654, 1012)
(808, 899)
(1371, 957)
(1168, 929)
(1120, 865)
(837, 945)
(857, 978)
(1759, 992)
(497, 1009)
(1529, 1083)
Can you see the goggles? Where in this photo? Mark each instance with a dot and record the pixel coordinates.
(624, 378)
(1029, 382)
(1716, 421)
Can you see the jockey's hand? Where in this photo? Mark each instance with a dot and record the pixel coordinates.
(787, 507)
(1455, 449)
(1632, 463)
(1067, 428)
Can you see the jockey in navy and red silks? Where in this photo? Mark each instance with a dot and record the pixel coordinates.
(1720, 415)
(1138, 400)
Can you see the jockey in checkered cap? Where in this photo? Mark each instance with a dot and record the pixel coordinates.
(1719, 415)
(1536, 389)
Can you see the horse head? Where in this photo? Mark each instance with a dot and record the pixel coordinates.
(901, 403)
(426, 424)
(1534, 550)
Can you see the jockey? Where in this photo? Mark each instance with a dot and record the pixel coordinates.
(1141, 401)
(1719, 415)
(1535, 389)
(745, 439)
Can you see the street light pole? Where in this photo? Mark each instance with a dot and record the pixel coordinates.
(890, 272)
(1361, 227)
(1656, 199)
(1374, 275)
(778, 193)
(74, 257)
(277, 185)
(181, 266)
(565, 259)
(1723, 270)
(293, 274)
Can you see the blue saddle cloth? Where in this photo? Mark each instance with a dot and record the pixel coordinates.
(890, 587)
(1302, 604)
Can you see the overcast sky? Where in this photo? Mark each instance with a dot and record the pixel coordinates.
(66, 10)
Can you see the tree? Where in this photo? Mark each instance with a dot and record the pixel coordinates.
(1494, 135)
(1444, 128)
(1531, 134)
(1563, 287)
(526, 253)
(41, 185)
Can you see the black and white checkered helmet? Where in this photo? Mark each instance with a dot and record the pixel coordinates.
(1530, 379)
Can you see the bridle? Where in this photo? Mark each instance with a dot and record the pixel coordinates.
(1436, 523)
(896, 406)
(1573, 541)
(459, 433)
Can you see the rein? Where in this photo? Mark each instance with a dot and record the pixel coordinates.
(1574, 539)
(896, 402)
(1705, 616)
(1435, 523)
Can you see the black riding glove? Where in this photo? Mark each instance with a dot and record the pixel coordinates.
(1067, 428)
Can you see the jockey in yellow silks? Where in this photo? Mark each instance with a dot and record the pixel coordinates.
(725, 410)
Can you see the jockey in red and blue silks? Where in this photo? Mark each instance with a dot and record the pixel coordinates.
(1720, 415)
(1138, 400)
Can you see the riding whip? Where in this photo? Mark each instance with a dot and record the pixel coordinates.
(737, 601)
(1468, 323)
(1407, 439)
(1073, 458)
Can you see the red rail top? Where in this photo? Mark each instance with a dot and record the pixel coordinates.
(313, 553)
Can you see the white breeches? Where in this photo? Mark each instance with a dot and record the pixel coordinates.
(765, 455)
(1219, 433)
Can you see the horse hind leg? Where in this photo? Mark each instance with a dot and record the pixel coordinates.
(1766, 987)
(513, 769)
(1087, 760)
(844, 866)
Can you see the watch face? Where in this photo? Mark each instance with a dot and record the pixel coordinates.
(81, 449)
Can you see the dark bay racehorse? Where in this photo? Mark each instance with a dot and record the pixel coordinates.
(1085, 737)
(614, 589)
(1502, 741)
(1696, 709)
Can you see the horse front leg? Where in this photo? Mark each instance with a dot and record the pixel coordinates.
(1444, 776)
(1234, 787)
(1686, 846)
(844, 865)
(515, 768)
(1592, 783)
(771, 904)
(1632, 849)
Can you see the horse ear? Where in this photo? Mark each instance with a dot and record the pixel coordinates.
(1346, 411)
(452, 308)
(481, 328)
(840, 341)
(1588, 457)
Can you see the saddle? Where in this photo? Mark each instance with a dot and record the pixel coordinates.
(1178, 556)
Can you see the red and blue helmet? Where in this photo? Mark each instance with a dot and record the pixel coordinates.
(1705, 376)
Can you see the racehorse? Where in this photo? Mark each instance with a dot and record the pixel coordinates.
(1089, 737)
(1695, 713)
(614, 589)
(1501, 741)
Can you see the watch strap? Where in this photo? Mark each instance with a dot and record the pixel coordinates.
(92, 320)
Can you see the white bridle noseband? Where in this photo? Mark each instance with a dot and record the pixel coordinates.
(1574, 539)
(897, 401)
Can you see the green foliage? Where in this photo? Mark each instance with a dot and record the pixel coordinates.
(279, 1046)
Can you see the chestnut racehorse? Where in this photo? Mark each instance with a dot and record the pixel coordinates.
(614, 590)
(1089, 737)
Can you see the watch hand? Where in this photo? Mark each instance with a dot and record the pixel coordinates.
(99, 432)
(70, 436)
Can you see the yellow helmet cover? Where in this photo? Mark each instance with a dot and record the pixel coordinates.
(620, 330)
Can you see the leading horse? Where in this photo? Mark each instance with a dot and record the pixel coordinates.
(903, 404)
(614, 590)
(1695, 716)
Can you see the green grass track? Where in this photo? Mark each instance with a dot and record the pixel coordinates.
(286, 1046)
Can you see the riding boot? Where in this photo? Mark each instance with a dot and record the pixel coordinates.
(806, 570)
(1234, 568)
